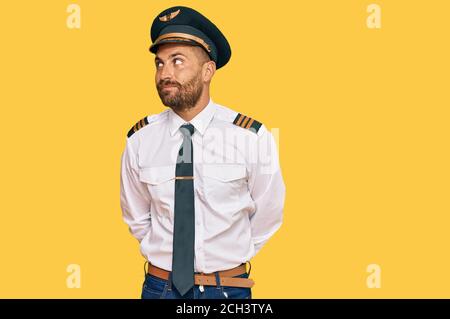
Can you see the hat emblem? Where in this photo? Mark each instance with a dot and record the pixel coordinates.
(169, 16)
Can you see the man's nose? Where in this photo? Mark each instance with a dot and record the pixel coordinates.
(166, 72)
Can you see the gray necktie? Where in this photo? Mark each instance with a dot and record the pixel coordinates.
(184, 228)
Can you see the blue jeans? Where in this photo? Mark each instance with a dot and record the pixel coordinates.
(157, 288)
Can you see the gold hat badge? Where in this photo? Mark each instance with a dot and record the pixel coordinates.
(169, 16)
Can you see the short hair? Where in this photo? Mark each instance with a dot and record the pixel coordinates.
(202, 55)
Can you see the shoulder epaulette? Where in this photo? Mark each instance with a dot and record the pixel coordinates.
(247, 122)
(136, 127)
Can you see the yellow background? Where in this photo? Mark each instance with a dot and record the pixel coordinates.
(364, 135)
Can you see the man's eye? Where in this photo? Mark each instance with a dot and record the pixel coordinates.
(181, 61)
(158, 64)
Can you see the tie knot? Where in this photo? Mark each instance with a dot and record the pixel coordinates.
(187, 129)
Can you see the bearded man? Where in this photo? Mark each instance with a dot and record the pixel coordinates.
(201, 187)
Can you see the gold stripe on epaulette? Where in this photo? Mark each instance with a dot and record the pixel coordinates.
(249, 123)
(137, 126)
(244, 122)
(238, 123)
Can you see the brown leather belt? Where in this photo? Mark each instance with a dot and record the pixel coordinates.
(226, 277)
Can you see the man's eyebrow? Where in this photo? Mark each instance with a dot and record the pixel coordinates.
(171, 56)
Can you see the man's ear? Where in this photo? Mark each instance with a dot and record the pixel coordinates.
(209, 68)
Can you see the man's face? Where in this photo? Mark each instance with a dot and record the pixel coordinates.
(178, 78)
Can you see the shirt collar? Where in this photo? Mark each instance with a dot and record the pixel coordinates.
(200, 121)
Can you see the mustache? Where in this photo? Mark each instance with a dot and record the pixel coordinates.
(162, 84)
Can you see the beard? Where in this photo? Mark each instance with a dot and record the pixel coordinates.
(183, 97)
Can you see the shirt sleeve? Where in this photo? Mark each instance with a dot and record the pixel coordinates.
(267, 190)
(134, 196)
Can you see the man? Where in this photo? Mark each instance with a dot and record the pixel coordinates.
(201, 187)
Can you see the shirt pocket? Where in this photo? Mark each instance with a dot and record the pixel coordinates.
(161, 185)
(224, 185)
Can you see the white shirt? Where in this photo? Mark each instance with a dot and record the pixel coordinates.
(239, 191)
